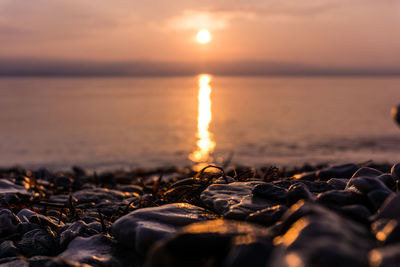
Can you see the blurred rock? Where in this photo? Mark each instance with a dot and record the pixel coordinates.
(142, 228)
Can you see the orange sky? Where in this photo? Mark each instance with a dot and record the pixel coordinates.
(331, 33)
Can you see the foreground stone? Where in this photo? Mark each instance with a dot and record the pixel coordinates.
(140, 229)
(214, 243)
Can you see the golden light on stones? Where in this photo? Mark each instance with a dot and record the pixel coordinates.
(205, 143)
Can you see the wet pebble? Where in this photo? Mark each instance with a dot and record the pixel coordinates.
(234, 200)
(8, 187)
(97, 250)
(140, 229)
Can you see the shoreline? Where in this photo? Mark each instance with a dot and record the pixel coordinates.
(149, 217)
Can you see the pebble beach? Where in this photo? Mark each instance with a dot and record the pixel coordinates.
(343, 215)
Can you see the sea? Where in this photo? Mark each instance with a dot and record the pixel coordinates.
(110, 123)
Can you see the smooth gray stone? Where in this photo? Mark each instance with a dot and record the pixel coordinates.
(267, 216)
(96, 250)
(234, 200)
(338, 171)
(8, 223)
(338, 183)
(395, 171)
(388, 256)
(367, 172)
(315, 236)
(8, 187)
(140, 229)
(217, 242)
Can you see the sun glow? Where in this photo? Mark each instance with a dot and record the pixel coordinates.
(205, 142)
(203, 36)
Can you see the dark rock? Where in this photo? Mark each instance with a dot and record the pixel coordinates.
(8, 249)
(368, 184)
(63, 181)
(142, 228)
(367, 172)
(267, 216)
(108, 201)
(270, 192)
(317, 187)
(390, 208)
(7, 187)
(222, 180)
(338, 171)
(38, 242)
(78, 228)
(97, 250)
(315, 236)
(25, 214)
(214, 243)
(378, 197)
(306, 176)
(388, 180)
(284, 183)
(358, 213)
(338, 183)
(234, 200)
(8, 223)
(341, 198)
(298, 192)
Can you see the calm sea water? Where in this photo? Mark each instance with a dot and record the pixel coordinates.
(108, 123)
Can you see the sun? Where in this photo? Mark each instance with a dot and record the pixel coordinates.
(203, 36)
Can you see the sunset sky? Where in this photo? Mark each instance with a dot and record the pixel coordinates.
(336, 33)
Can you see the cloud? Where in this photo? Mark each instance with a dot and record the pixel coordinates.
(212, 20)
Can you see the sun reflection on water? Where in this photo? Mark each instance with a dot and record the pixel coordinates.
(205, 142)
